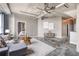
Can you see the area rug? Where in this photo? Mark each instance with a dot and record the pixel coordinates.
(39, 48)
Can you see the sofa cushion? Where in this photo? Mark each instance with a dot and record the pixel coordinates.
(3, 49)
(16, 46)
(17, 49)
(49, 35)
(5, 37)
(2, 42)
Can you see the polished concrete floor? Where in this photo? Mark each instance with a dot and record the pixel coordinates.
(64, 49)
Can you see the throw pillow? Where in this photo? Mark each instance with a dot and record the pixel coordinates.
(5, 37)
(2, 43)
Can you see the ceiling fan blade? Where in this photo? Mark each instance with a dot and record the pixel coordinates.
(66, 5)
(47, 11)
(41, 15)
(59, 5)
(53, 8)
(43, 10)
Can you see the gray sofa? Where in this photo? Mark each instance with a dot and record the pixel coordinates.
(12, 49)
(48, 36)
(17, 49)
(4, 51)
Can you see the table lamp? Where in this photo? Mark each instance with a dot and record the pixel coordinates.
(7, 31)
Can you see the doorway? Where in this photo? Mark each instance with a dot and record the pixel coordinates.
(21, 26)
(68, 26)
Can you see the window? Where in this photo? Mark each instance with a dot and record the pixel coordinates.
(1, 24)
(49, 26)
(45, 25)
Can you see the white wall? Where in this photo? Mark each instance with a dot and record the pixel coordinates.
(31, 24)
(77, 28)
(12, 24)
(71, 13)
(74, 36)
(19, 18)
(57, 24)
(64, 30)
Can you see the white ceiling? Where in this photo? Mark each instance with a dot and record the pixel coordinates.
(4, 8)
(27, 7)
(32, 8)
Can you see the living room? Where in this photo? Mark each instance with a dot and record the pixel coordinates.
(44, 25)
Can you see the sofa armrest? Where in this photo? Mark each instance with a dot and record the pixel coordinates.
(4, 51)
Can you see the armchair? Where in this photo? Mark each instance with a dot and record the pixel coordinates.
(49, 35)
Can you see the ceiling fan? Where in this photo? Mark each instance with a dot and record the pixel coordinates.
(48, 9)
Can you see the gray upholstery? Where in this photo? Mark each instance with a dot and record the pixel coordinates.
(4, 48)
(17, 49)
(4, 51)
(16, 46)
(48, 36)
(13, 49)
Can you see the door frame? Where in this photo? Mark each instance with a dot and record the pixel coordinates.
(17, 26)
